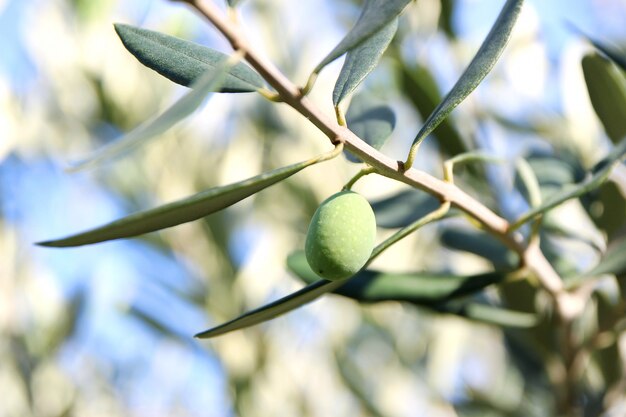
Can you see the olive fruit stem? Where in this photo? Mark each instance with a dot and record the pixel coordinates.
(405, 231)
(363, 172)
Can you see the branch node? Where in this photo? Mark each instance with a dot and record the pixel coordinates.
(337, 140)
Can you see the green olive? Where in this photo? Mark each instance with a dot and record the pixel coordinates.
(341, 236)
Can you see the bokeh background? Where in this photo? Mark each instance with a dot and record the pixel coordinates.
(106, 330)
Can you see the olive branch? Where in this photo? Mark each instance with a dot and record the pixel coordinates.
(207, 71)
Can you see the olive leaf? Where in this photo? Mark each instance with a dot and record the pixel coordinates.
(361, 60)
(151, 322)
(616, 54)
(272, 310)
(443, 293)
(606, 85)
(601, 173)
(421, 288)
(482, 63)
(446, 17)
(403, 208)
(371, 122)
(375, 15)
(607, 207)
(552, 172)
(182, 211)
(613, 261)
(183, 61)
(182, 108)
(497, 316)
(480, 244)
(419, 86)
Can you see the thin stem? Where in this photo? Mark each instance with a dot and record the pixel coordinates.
(448, 166)
(330, 154)
(410, 160)
(341, 117)
(310, 82)
(270, 95)
(365, 171)
(531, 183)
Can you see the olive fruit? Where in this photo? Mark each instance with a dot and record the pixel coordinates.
(341, 236)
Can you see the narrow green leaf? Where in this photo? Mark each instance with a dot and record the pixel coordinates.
(613, 261)
(421, 288)
(446, 17)
(362, 60)
(441, 292)
(184, 62)
(181, 211)
(480, 244)
(606, 85)
(371, 122)
(403, 208)
(498, 316)
(419, 86)
(272, 310)
(616, 54)
(553, 172)
(551, 227)
(602, 172)
(479, 67)
(151, 322)
(607, 207)
(605, 358)
(170, 117)
(375, 15)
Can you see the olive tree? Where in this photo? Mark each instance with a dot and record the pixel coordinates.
(562, 323)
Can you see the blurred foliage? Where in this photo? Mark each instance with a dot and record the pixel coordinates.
(106, 330)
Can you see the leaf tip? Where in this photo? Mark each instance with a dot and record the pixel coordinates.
(50, 244)
(121, 28)
(206, 334)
